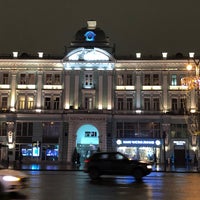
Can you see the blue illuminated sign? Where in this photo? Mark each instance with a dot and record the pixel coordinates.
(90, 36)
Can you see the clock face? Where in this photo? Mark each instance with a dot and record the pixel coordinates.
(90, 36)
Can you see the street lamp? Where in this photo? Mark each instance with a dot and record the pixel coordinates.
(193, 83)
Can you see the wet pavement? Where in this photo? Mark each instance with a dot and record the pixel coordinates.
(69, 167)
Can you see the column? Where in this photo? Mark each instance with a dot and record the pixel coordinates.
(138, 90)
(67, 90)
(100, 103)
(39, 90)
(76, 91)
(109, 97)
(165, 92)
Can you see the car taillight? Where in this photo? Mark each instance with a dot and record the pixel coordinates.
(87, 160)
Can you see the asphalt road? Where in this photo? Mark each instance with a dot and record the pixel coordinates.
(76, 185)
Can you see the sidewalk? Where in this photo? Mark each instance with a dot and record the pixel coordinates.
(173, 168)
(69, 167)
(46, 167)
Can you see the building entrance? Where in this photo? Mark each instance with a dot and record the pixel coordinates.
(179, 157)
(87, 141)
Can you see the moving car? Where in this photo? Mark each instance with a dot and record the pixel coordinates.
(115, 163)
(12, 180)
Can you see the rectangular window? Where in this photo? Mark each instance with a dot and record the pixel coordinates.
(31, 79)
(147, 79)
(155, 79)
(120, 79)
(30, 129)
(129, 79)
(47, 103)
(147, 106)
(120, 104)
(22, 78)
(18, 130)
(3, 129)
(30, 102)
(179, 131)
(56, 102)
(21, 104)
(5, 78)
(174, 104)
(88, 80)
(24, 129)
(57, 79)
(129, 104)
(156, 104)
(174, 80)
(48, 79)
(88, 103)
(183, 104)
(4, 103)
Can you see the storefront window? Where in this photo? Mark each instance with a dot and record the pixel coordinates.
(140, 153)
(179, 130)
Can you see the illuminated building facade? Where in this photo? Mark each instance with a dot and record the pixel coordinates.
(91, 100)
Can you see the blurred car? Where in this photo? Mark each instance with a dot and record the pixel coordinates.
(12, 180)
(115, 163)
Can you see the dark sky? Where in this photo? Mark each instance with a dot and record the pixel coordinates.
(147, 26)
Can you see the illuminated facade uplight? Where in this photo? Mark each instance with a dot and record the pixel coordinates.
(138, 111)
(164, 55)
(15, 54)
(38, 110)
(100, 106)
(40, 54)
(193, 110)
(12, 109)
(191, 54)
(138, 55)
(189, 67)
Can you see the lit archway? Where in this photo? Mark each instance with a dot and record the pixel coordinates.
(87, 140)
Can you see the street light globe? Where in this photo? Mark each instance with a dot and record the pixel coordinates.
(189, 67)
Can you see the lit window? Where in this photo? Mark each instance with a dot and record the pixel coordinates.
(174, 80)
(30, 102)
(21, 104)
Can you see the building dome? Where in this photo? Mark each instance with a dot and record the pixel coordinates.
(90, 36)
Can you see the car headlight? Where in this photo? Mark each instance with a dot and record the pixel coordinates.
(11, 178)
(149, 166)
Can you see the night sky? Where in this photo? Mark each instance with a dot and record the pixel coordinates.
(146, 26)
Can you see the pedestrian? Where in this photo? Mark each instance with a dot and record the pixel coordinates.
(155, 159)
(78, 159)
(195, 160)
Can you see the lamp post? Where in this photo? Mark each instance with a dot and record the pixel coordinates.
(193, 83)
